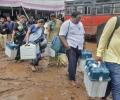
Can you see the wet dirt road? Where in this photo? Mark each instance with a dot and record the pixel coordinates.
(18, 82)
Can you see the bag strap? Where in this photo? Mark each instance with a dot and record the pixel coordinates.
(68, 30)
(32, 27)
(43, 30)
(116, 26)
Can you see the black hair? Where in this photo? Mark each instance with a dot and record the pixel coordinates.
(52, 15)
(40, 21)
(75, 14)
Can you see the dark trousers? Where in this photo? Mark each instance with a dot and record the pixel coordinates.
(114, 84)
(108, 90)
(36, 60)
(19, 42)
(72, 54)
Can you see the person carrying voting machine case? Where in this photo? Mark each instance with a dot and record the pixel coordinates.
(108, 51)
(18, 34)
(35, 35)
(72, 37)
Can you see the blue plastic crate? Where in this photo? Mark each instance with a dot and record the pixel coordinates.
(96, 72)
(95, 88)
(11, 45)
(89, 64)
(86, 54)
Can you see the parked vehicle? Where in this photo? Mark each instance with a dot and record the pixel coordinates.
(93, 15)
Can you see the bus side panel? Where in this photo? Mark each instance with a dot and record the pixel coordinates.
(91, 22)
(94, 20)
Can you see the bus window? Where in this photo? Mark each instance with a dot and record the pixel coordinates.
(100, 9)
(88, 10)
(70, 10)
(80, 9)
(117, 8)
(84, 10)
(107, 9)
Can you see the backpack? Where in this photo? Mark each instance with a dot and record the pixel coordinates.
(100, 29)
(57, 45)
(36, 34)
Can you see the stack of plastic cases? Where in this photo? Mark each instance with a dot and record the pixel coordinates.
(96, 79)
(99, 74)
(85, 54)
(95, 88)
(88, 63)
(95, 72)
(28, 52)
(11, 50)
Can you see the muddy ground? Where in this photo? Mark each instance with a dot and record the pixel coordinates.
(18, 82)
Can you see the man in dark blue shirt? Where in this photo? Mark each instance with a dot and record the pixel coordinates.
(10, 26)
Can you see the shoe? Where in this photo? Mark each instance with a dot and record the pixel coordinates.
(33, 68)
(103, 98)
(17, 58)
(35, 62)
(22, 60)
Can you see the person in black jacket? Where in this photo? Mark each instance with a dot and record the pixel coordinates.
(18, 35)
(10, 26)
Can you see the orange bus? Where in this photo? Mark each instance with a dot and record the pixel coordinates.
(93, 15)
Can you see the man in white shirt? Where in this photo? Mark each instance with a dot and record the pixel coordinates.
(72, 37)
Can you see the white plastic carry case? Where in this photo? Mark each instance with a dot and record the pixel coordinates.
(96, 80)
(95, 88)
(11, 50)
(28, 52)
